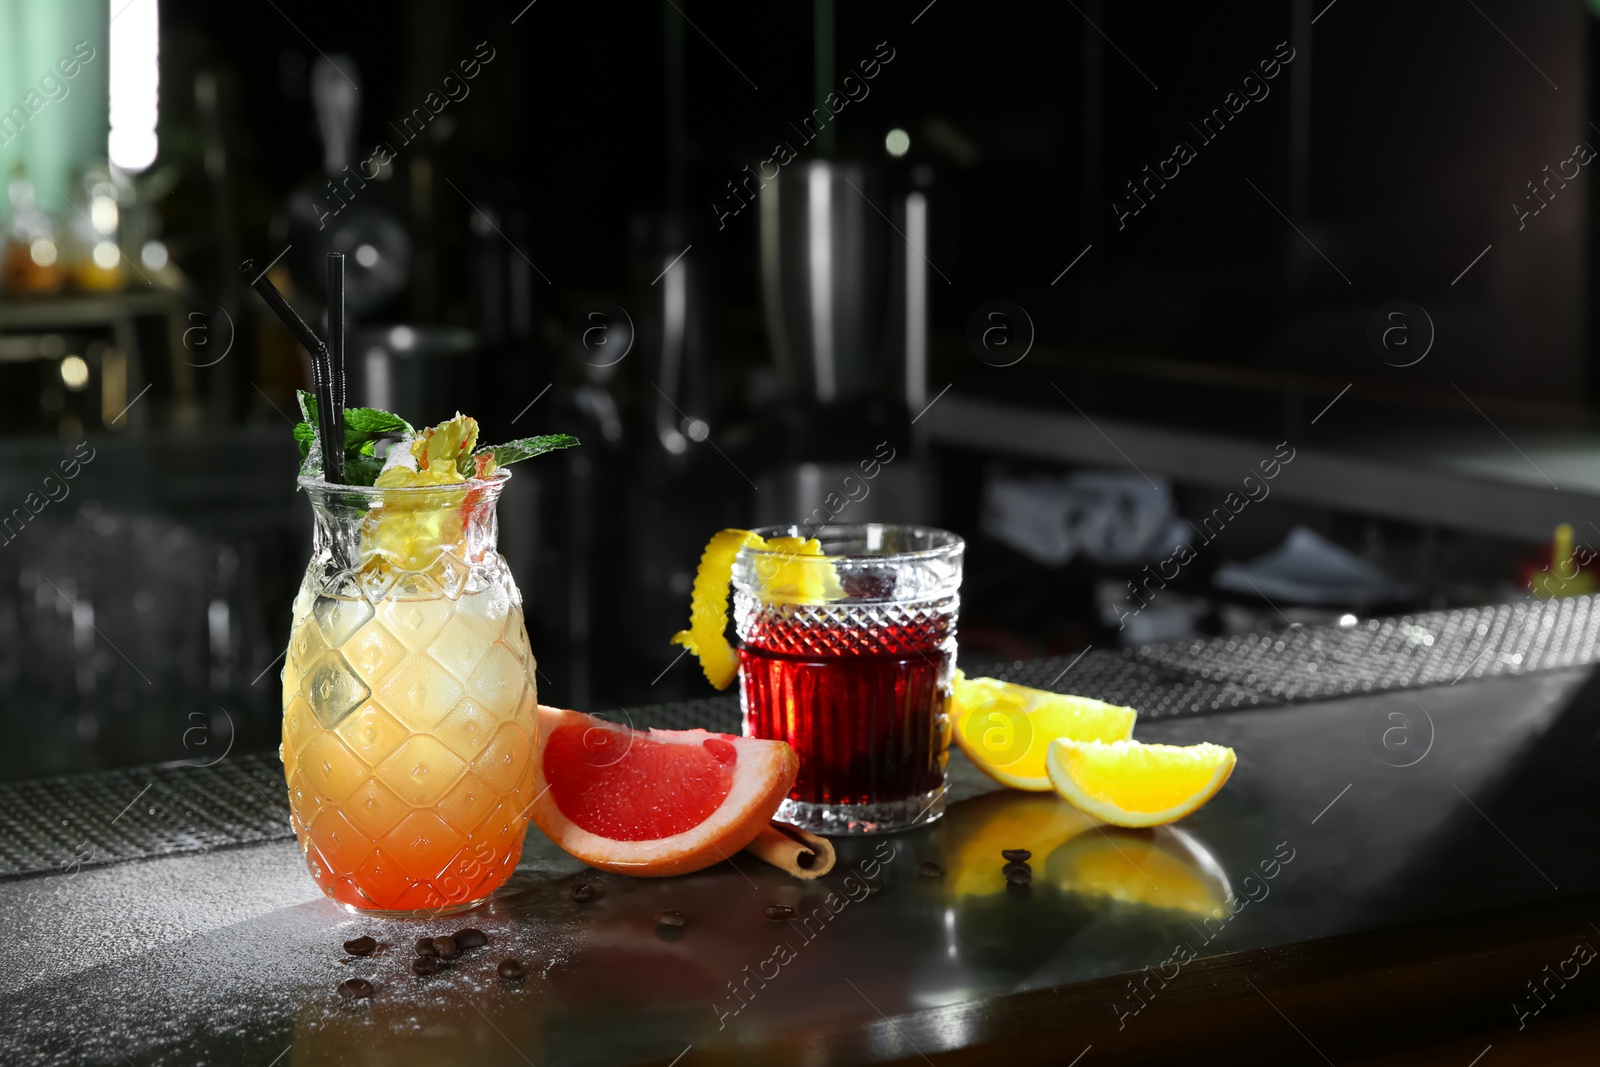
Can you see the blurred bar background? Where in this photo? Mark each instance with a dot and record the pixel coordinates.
(748, 255)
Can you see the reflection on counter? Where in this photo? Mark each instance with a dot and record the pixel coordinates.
(1160, 868)
(734, 974)
(233, 956)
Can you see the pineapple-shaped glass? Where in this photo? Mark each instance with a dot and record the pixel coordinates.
(409, 703)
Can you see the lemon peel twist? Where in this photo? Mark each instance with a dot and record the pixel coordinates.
(783, 577)
(708, 606)
(788, 578)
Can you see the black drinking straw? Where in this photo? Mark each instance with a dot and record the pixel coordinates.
(328, 414)
(336, 339)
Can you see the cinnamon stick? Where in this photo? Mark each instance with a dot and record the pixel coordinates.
(789, 848)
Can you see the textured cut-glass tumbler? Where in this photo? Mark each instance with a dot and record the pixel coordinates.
(852, 666)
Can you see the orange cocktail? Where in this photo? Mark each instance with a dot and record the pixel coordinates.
(409, 700)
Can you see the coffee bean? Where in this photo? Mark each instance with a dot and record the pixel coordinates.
(583, 893)
(424, 965)
(425, 947)
(670, 917)
(355, 989)
(445, 947)
(930, 870)
(1016, 855)
(510, 970)
(471, 937)
(1018, 873)
(873, 885)
(361, 946)
(778, 912)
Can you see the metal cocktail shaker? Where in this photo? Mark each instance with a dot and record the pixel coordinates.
(844, 287)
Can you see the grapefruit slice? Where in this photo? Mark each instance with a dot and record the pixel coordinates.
(652, 803)
(1126, 783)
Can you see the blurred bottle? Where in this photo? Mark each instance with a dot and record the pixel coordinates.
(30, 262)
(94, 258)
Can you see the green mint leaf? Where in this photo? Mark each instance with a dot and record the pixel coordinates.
(526, 448)
(366, 423)
(363, 429)
(362, 470)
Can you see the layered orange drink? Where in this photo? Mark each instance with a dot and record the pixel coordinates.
(409, 688)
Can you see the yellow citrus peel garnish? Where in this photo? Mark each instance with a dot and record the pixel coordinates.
(708, 607)
(784, 578)
(409, 531)
(799, 575)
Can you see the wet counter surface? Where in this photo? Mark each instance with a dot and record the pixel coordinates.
(1356, 816)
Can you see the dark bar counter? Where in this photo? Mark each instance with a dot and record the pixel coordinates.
(1403, 869)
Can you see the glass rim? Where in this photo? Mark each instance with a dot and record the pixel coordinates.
(494, 481)
(951, 542)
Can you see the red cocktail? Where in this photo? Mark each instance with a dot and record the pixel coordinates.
(848, 657)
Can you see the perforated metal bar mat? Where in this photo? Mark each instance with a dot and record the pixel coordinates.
(60, 825)
(1404, 652)
(1115, 677)
(1118, 678)
(718, 714)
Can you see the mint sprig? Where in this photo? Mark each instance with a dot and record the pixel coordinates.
(525, 448)
(365, 427)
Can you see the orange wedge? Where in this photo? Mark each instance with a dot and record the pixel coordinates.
(1006, 728)
(1126, 783)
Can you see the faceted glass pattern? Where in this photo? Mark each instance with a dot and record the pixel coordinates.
(409, 717)
(858, 683)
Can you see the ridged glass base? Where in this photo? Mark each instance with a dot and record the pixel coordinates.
(419, 913)
(887, 817)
